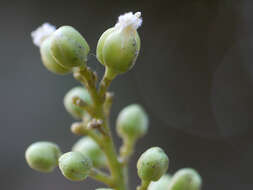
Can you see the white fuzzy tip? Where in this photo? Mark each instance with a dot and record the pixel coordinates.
(129, 20)
(41, 33)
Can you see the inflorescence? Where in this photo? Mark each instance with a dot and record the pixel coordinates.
(64, 51)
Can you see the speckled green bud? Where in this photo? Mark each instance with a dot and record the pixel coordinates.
(73, 109)
(43, 156)
(48, 61)
(101, 43)
(118, 50)
(69, 47)
(161, 184)
(152, 164)
(132, 122)
(186, 179)
(75, 166)
(88, 147)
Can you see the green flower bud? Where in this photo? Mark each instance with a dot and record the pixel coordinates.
(118, 47)
(100, 44)
(43, 156)
(152, 164)
(75, 166)
(88, 147)
(48, 60)
(186, 179)
(132, 122)
(68, 47)
(161, 184)
(73, 109)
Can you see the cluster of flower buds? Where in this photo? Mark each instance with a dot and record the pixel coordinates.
(65, 50)
(183, 179)
(62, 49)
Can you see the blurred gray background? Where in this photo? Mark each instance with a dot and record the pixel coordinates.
(194, 76)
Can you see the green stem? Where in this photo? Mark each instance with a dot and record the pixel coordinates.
(144, 185)
(126, 150)
(105, 82)
(108, 103)
(104, 141)
(114, 165)
(87, 78)
(101, 176)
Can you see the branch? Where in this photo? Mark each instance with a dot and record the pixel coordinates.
(101, 176)
(144, 185)
(126, 150)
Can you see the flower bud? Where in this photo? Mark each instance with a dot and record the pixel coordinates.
(187, 179)
(73, 109)
(48, 60)
(162, 183)
(132, 122)
(118, 47)
(152, 164)
(88, 147)
(104, 189)
(43, 156)
(75, 166)
(68, 47)
(101, 43)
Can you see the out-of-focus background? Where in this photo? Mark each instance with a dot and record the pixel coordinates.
(194, 76)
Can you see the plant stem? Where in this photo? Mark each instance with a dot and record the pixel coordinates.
(114, 165)
(105, 82)
(144, 185)
(108, 103)
(104, 141)
(126, 150)
(101, 176)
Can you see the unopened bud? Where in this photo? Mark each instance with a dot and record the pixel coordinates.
(43, 156)
(69, 47)
(75, 166)
(152, 164)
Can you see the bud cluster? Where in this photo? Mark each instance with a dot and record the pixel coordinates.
(63, 51)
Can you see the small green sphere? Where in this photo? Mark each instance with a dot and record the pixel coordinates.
(69, 47)
(74, 110)
(187, 179)
(48, 61)
(152, 164)
(162, 183)
(132, 122)
(88, 147)
(75, 166)
(43, 156)
(118, 50)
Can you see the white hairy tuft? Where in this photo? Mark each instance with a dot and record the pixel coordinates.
(129, 20)
(41, 33)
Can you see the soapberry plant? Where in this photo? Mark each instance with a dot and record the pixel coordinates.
(65, 51)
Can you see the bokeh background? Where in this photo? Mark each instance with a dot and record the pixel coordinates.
(194, 76)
